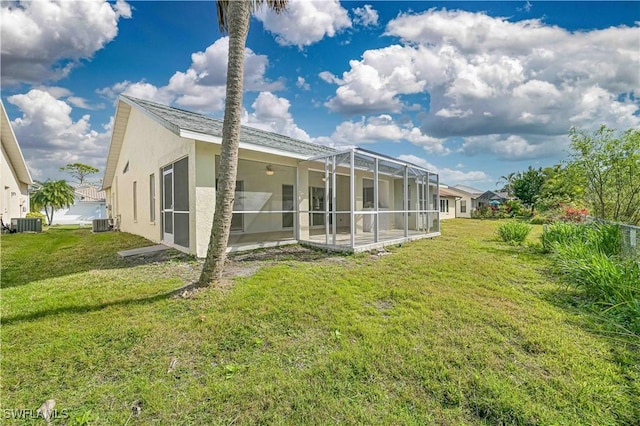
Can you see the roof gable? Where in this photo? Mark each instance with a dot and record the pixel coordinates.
(11, 147)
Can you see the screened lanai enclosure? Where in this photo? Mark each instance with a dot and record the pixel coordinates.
(353, 201)
(359, 200)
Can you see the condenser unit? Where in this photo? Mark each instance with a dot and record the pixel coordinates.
(102, 225)
(26, 224)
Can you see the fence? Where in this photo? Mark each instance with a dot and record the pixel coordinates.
(629, 237)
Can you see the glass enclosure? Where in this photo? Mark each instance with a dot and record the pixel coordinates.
(359, 200)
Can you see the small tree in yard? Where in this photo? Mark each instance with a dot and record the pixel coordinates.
(527, 186)
(79, 171)
(609, 164)
(52, 195)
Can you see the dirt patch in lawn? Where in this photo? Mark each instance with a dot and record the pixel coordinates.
(241, 264)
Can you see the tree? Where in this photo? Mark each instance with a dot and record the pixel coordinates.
(563, 185)
(508, 183)
(79, 171)
(609, 164)
(527, 186)
(52, 195)
(233, 17)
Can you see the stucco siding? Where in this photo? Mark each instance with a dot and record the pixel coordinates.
(14, 200)
(146, 148)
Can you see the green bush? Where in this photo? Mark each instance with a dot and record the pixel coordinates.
(603, 237)
(587, 256)
(513, 232)
(37, 215)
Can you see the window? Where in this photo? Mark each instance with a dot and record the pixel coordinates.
(463, 206)
(367, 193)
(135, 201)
(287, 204)
(237, 219)
(444, 206)
(152, 197)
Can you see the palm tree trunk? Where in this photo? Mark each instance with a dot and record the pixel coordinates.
(239, 13)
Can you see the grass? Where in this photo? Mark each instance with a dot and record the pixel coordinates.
(461, 329)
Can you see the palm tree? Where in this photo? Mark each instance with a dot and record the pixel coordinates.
(508, 183)
(233, 18)
(52, 195)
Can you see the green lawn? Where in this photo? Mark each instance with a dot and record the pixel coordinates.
(460, 329)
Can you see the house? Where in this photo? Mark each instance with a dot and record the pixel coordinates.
(457, 201)
(89, 204)
(491, 198)
(14, 174)
(160, 183)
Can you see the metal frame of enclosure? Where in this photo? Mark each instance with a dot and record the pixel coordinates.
(358, 200)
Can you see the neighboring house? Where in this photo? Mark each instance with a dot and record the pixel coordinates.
(14, 174)
(90, 203)
(491, 198)
(457, 202)
(160, 183)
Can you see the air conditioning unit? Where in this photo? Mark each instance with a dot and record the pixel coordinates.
(26, 224)
(102, 225)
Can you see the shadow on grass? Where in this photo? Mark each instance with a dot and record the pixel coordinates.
(86, 308)
(60, 252)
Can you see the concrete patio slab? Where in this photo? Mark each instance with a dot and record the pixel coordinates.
(143, 250)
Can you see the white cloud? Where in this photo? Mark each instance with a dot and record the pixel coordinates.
(271, 113)
(305, 22)
(302, 84)
(447, 175)
(383, 128)
(202, 87)
(366, 16)
(43, 40)
(329, 77)
(489, 76)
(516, 147)
(50, 138)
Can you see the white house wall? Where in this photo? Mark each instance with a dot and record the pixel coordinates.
(147, 146)
(451, 212)
(14, 201)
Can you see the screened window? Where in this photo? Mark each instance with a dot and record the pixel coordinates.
(463, 206)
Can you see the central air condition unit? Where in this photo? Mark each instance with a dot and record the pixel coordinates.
(26, 224)
(102, 225)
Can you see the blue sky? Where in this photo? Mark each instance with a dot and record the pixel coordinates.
(474, 90)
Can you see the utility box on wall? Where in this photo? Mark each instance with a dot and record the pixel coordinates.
(27, 224)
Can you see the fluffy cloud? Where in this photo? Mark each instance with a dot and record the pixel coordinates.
(382, 128)
(366, 16)
(50, 138)
(202, 87)
(271, 113)
(489, 76)
(302, 83)
(447, 175)
(305, 22)
(43, 40)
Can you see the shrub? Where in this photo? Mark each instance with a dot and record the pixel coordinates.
(37, 215)
(539, 220)
(587, 256)
(576, 215)
(513, 232)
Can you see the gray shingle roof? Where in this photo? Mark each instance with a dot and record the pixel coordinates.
(178, 119)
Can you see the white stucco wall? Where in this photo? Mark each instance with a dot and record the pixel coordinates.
(147, 147)
(14, 197)
(451, 212)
